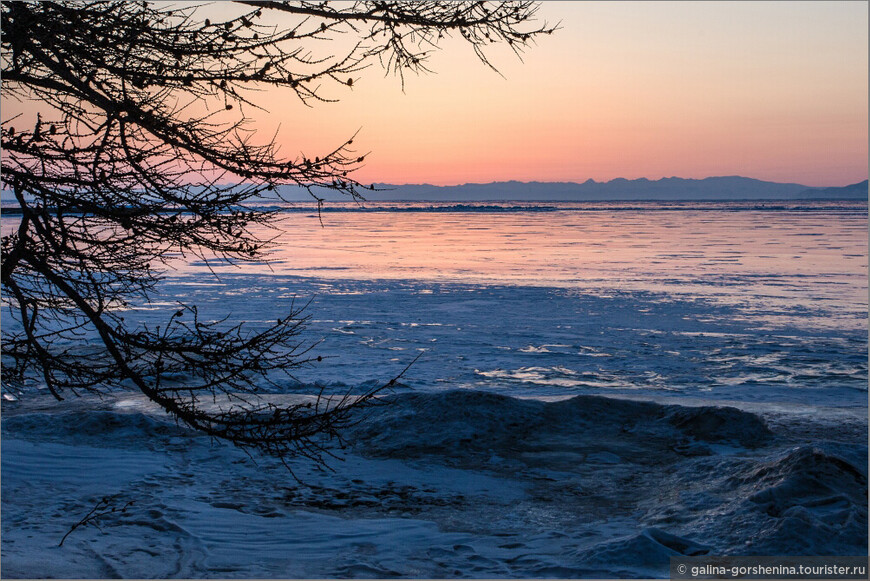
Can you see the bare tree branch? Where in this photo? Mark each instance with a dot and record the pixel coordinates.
(144, 128)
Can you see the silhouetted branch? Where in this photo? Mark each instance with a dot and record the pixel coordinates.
(143, 151)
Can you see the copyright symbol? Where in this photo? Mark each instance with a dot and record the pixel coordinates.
(681, 569)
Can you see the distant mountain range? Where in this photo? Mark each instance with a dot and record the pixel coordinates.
(713, 188)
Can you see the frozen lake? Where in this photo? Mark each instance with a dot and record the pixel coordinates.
(498, 457)
(717, 299)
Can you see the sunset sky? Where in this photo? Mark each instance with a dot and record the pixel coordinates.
(770, 90)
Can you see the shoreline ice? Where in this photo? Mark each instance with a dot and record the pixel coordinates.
(457, 483)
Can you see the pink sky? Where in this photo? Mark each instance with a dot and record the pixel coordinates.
(774, 91)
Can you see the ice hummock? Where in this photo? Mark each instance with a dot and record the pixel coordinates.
(444, 484)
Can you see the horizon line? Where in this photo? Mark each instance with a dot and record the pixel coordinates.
(617, 179)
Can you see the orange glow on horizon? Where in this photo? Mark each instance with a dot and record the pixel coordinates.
(774, 91)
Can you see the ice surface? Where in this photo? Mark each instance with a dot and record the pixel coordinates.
(550, 341)
(598, 391)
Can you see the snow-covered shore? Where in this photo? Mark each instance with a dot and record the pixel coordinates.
(445, 484)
